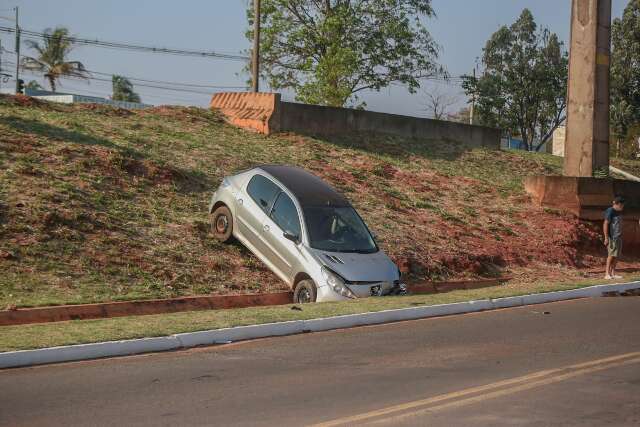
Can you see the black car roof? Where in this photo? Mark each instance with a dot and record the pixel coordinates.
(308, 188)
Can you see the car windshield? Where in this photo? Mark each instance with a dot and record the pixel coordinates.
(338, 229)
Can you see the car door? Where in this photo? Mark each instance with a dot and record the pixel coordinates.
(283, 217)
(253, 210)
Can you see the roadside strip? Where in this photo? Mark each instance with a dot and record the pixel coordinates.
(62, 313)
(193, 339)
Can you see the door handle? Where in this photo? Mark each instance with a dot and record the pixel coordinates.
(265, 227)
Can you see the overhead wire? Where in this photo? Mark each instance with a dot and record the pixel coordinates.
(128, 46)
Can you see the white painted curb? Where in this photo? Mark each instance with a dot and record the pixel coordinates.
(13, 359)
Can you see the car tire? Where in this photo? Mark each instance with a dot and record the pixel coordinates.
(222, 224)
(305, 292)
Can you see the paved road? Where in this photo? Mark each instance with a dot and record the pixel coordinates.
(571, 363)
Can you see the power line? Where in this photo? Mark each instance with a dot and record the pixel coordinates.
(169, 83)
(106, 92)
(160, 82)
(128, 46)
(142, 84)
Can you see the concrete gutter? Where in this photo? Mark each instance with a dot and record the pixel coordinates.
(22, 358)
(627, 175)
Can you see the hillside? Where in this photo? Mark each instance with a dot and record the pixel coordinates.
(98, 203)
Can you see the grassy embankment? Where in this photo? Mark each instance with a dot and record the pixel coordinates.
(101, 204)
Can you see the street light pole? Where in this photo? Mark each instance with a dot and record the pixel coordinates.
(255, 62)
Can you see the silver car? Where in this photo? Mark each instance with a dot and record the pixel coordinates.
(306, 232)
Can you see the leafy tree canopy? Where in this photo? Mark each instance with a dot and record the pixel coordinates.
(328, 51)
(123, 90)
(524, 83)
(52, 57)
(625, 72)
(34, 85)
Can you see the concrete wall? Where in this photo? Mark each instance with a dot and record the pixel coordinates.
(559, 136)
(319, 120)
(587, 198)
(71, 98)
(266, 113)
(82, 99)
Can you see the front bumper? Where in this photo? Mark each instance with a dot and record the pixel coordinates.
(325, 293)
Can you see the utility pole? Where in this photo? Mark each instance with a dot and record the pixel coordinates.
(586, 149)
(17, 52)
(473, 99)
(1, 74)
(255, 61)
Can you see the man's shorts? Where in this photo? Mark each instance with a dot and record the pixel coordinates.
(615, 247)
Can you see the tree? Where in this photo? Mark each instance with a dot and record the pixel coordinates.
(34, 85)
(462, 116)
(438, 103)
(123, 90)
(329, 51)
(625, 77)
(52, 57)
(524, 83)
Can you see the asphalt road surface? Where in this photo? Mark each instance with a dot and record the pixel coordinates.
(570, 363)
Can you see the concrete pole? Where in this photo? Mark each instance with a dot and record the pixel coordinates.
(587, 135)
(255, 62)
(17, 52)
(473, 101)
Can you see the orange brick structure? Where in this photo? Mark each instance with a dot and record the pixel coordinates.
(257, 111)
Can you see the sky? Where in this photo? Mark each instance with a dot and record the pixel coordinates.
(461, 28)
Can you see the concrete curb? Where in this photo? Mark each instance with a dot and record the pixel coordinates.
(105, 310)
(22, 358)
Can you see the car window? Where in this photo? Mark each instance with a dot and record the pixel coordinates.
(285, 214)
(338, 229)
(263, 191)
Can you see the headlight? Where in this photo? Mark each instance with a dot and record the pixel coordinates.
(336, 283)
(225, 183)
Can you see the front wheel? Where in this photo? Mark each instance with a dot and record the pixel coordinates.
(304, 292)
(222, 224)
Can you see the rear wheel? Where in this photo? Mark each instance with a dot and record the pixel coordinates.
(222, 224)
(305, 292)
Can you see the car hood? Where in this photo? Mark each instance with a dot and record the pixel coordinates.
(355, 267)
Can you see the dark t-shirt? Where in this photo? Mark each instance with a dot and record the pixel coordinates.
(615, 223)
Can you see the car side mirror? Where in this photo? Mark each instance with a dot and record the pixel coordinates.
(293, 237)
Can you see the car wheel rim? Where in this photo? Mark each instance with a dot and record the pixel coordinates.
(222, 224)
(304, 296)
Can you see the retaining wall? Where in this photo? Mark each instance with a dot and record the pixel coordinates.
(320, 120)
(266, 113)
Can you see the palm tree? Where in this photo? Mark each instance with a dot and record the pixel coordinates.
(52, 57)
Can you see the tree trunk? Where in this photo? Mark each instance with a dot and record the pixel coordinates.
(52, 82)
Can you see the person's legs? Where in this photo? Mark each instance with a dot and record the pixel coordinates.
(614, 263)
(610, 261)
(613, 252)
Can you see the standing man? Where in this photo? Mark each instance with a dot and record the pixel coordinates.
(613, 236)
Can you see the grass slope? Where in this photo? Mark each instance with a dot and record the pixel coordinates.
(99, 204)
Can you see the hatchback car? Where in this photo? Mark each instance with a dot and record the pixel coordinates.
(306, 232)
